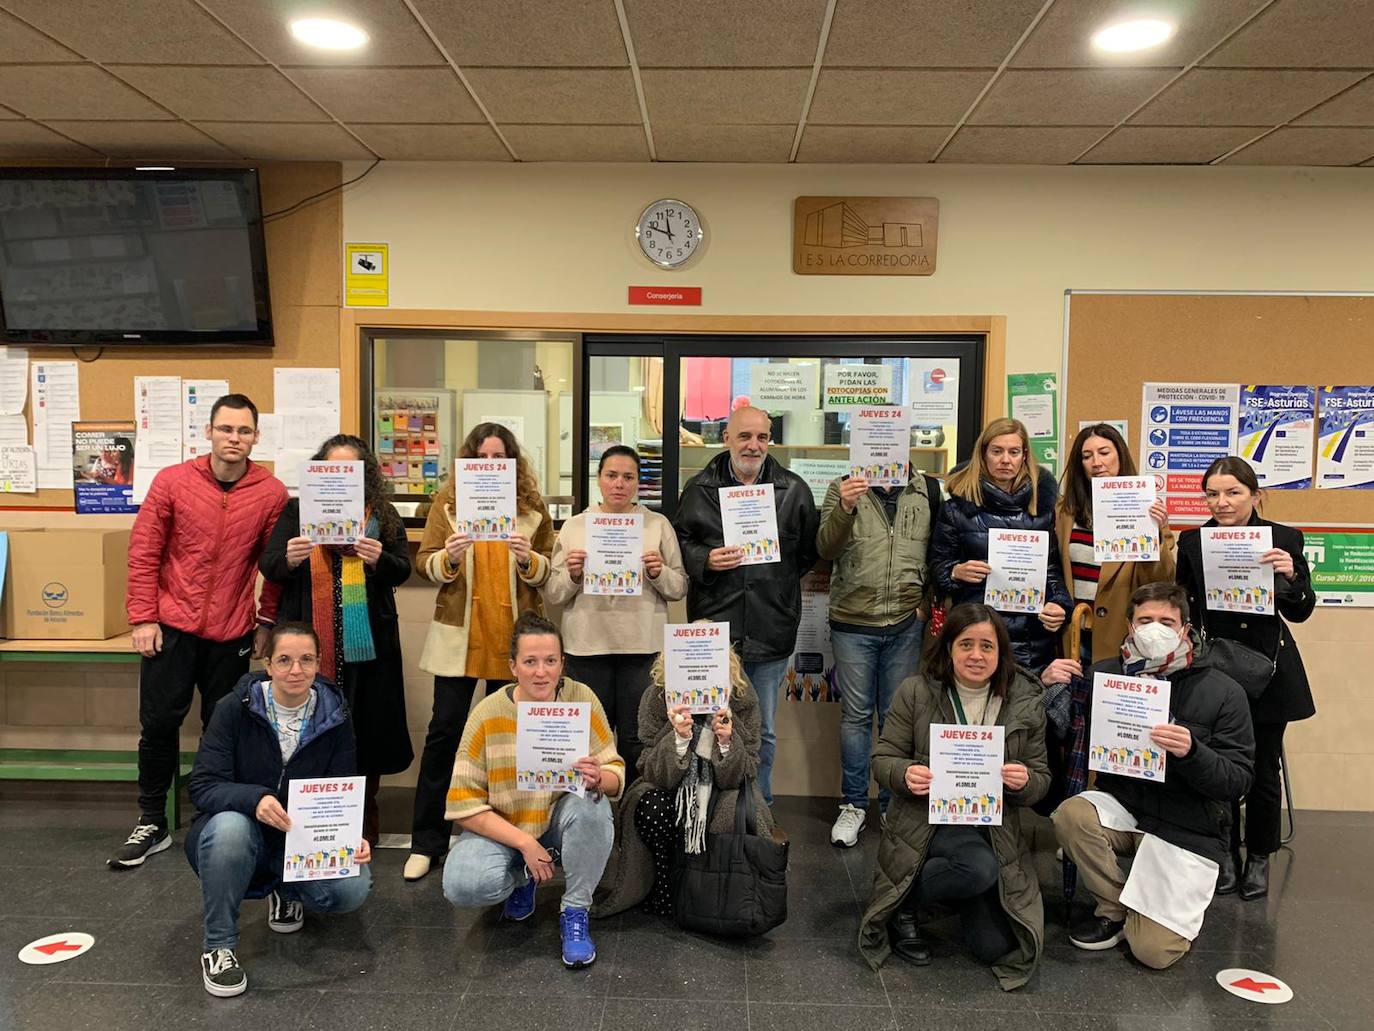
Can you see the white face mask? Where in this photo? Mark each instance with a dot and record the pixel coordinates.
(1155, 640)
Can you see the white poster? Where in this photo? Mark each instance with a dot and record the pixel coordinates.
(153, 452)
(326, 828)
(853, 386)
(1345, 453)
(1122, 528)
(297, 389)
(810, 675)
(750, 521)
(549, 738)
(198, 397)
(880, 445)
(1019, 561)
(1235, 579)
(966, 774)
(615, 554)
(332, 507)
(484, 503)
(1184, 428)
(696, 665)
(157, 405)
(818, 472)
(18, 471)
(14, 379)
(1124, 711)
(933, 390)
(1036, 413)
(784, 386)
(1275, 431)
(56, 405)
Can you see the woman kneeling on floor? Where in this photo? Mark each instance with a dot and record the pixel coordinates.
(513, 839)
(985, 874)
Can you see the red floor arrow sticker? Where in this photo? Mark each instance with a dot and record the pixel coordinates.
(1254, 985)
(55, 948)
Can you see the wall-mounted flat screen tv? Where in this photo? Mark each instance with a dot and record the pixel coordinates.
(119, 256)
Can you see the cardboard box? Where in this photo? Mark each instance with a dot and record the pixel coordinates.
(66, 585)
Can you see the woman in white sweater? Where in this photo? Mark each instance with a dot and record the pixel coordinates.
(611, 639)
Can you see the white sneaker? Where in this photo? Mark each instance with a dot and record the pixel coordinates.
(848, 824)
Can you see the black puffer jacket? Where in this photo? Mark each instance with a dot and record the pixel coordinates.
(961, 535)
(762, 603)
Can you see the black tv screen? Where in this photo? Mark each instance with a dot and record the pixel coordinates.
(119, 256)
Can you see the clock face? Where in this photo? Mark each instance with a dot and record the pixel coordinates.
(669, 233)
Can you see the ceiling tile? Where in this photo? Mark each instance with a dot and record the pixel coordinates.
(394, 36)
(433, 142)
(1215, 96)
(738, 96)
(1174, 145)
(389, 94)
(136, 31)
(1063, 39)
(761, 144)
(543, 96)
(19, 42)
(1353, 107)
(30, 140)
(870, 144)
(1290, 146)
(72, 91)
(222, 94)
(741, 33)
(894, 97)
(578, 142)
(143, 139)
(527, 33)
(287, 141)
(1304, 34)
(1019, 146)
(1083, 96)
(927, 33)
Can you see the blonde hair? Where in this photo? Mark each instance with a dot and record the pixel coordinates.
(739, 683)
(967, 483)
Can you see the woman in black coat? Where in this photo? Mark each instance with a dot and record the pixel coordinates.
(366, 666)
(1233, 494)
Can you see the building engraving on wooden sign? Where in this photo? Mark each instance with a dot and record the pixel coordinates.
(865, 236)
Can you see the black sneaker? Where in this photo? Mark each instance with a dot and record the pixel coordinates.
(1098, 934)
(221, 973)
(284, 915)
(147, 839)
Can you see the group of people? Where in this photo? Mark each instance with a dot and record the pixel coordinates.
(913, 646)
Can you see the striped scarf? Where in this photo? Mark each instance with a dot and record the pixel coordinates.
(338, 602)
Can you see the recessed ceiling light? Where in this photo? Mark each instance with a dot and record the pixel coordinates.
(154, 168)
(328, 33)
(1127, 36)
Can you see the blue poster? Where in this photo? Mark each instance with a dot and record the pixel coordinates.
(1345, 451)
(1275, 431)
(103, 467)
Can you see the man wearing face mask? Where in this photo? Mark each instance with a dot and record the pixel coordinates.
(1176, 829)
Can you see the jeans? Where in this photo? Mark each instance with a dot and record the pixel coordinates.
(869, 670)
(961, 870)
(618, 681)
(767, 680)
(481, 872)
(231, 857)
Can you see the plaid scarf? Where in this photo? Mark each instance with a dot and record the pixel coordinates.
(338, 602)
(1133, 664)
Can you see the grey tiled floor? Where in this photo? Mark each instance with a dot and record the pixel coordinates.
(407, 961)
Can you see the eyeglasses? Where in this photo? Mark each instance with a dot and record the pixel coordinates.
(284, 663)
(234, 431)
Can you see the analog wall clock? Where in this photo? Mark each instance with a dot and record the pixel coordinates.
(669, 233)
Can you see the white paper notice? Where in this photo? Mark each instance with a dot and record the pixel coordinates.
(880, 445)
(307, 430)
(933, 390)
(297, 389)
(56, 405)
(14, 379)
(326, 828)
(549, 738)
(288, 467)
(18, 471)
(818, 472)
(157, 405)
(1036, 413)
(1235, 579)
(784, 386)
(269, 437)
(14, 431)
(1019, 561)
(615, 554)
(810, 675)
(332, 509)
(696, 665)
(853, 386)
(484, 504)
(1122, 528)
(1124, 711)
(198, 397)
(153, 452)
(750, 521)
(966, 774)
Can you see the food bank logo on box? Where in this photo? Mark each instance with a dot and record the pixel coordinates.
(55, 594)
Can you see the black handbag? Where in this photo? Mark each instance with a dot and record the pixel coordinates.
(736, 887)
(1248, 667)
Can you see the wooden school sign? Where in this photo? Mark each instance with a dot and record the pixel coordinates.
(865, 236)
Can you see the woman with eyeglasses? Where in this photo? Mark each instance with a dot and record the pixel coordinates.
(348, 594)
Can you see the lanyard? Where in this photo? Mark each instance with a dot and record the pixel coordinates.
(272, 714)
(959, 706)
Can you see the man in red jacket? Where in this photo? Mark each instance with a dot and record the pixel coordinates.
(193, 564)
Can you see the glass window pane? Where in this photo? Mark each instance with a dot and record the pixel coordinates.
(625, 406)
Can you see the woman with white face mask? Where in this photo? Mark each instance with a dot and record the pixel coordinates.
(1233, 497)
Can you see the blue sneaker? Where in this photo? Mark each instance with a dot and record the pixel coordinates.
(578, 948)
(520, 902)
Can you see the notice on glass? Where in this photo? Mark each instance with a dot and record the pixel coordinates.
(1124, 711)
(332, 507)
(750, 521)
(966, 774)
(1345, 451)
(1122, 528)
(615, 554)
(1184, 428)
(696, 665)
(484, 503)
(880, 444)
(326, 828)
(933, 390)
(549, 739)
(1234, 577)
(783, 386)
(1019, 561)
(848, 387)
(818, 472)
(1275, 434)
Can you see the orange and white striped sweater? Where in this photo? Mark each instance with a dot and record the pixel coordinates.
(484, 770)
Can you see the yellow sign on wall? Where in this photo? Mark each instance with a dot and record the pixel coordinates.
(367, 275)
